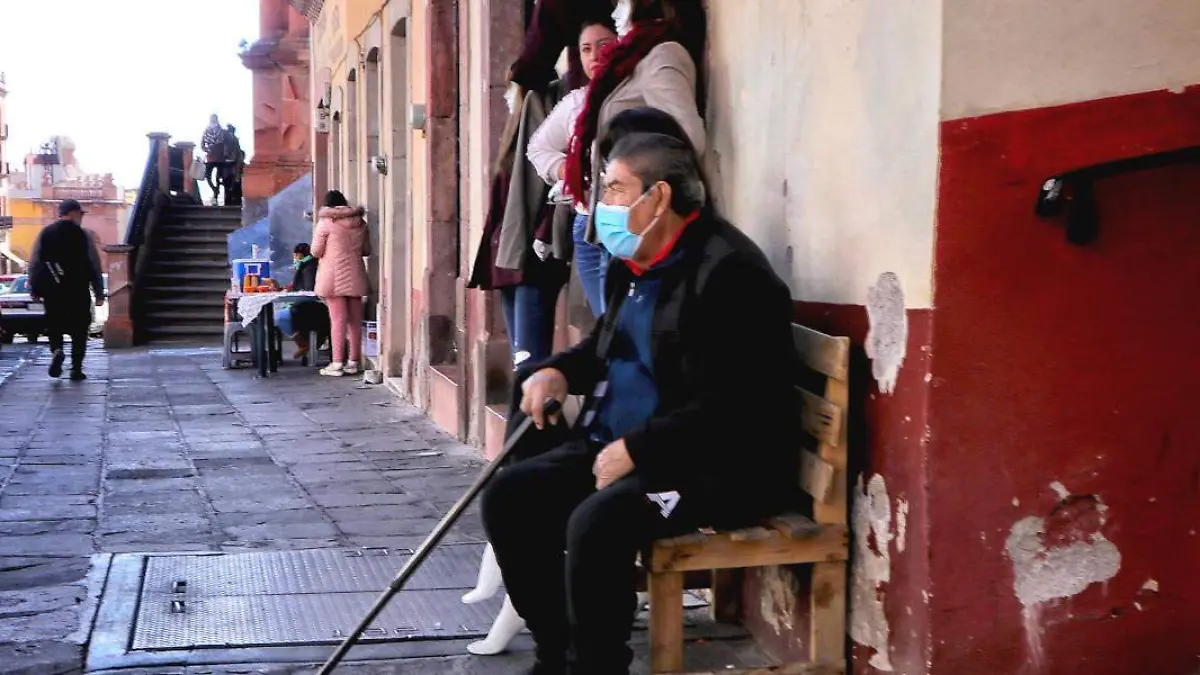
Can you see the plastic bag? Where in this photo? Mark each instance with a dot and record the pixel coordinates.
(197, 170)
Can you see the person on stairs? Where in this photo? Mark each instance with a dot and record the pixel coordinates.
(65, 265)
(340, 242)
(213, 147)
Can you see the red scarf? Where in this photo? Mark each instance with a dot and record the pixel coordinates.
(615, 65)
(638, 270)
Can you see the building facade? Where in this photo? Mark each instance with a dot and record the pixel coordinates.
(7, 264)
(49, 176)
(994, 203)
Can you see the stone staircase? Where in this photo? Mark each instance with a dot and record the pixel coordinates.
(183, 285)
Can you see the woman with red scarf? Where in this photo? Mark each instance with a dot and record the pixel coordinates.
(654, 64)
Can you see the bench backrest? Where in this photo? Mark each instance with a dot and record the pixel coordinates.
(825, 392)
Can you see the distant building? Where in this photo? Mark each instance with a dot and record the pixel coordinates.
(51, 175)
(6, 265)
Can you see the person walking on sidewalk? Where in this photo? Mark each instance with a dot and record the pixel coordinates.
(64, 265)
(340, 242)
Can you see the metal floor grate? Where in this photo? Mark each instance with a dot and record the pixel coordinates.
(306, 619)
(304, 598)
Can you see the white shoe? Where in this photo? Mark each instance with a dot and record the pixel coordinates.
(490, 578)
(350, 369)
(334, 369)
(506, 626)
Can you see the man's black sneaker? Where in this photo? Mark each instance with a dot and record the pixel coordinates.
(78, 376)
(56, 363)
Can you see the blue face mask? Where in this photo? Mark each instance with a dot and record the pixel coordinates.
(612, 229)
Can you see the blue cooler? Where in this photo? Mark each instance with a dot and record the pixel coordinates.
(244, 266)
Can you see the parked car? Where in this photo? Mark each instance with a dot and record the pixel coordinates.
(19, 314)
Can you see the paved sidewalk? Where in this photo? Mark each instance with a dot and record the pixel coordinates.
(162, 450)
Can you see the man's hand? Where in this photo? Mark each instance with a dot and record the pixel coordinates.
(545, 383)
(612, 464)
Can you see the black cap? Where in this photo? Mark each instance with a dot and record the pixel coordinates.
(68, 206)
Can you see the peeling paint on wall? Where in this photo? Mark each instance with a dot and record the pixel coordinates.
(778, 600)
(1058, 557)
(887, 337)
(872, 523)
(901, 524)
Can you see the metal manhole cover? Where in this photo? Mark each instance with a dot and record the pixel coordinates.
(305, 619)
(304, 598)
(292, 607)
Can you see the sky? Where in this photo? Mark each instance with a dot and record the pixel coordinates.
(107, 72)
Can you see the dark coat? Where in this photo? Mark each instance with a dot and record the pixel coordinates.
(725, 366)
(65, 263)
(305, 278)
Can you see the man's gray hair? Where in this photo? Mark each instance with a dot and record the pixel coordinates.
(658, 157)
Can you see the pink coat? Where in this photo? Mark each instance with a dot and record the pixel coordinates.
(340, 242)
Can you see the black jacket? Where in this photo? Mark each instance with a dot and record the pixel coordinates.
(305, 277)
(725, 367)
(65, 262)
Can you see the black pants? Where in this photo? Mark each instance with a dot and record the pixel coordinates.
(211, 168)
(580, 606)
(72, 317)
(232, 184)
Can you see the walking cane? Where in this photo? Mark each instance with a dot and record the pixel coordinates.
(435, 537)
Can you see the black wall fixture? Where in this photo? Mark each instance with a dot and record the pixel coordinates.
(1074, 193)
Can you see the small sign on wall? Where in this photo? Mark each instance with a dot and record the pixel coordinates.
(321, 120)
(371, 339)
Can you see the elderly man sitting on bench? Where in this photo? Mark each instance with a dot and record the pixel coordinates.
(690, 419)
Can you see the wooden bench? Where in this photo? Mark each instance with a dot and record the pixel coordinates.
(788, 539)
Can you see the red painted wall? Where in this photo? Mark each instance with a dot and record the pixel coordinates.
(886, 436)
(1053, 362)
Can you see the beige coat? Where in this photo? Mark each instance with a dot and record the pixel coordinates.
(664, 79)
(340, 242)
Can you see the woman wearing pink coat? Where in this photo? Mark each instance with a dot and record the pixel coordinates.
(341, 241)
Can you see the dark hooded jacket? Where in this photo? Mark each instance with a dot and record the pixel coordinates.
(65, 263)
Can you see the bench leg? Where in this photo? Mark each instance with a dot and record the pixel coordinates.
(827, 642)
(666, 622)
(726, 600)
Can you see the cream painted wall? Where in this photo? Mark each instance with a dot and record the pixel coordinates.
(418, 39)
(1021, 54)
(823, 125)
(397, 230)
(476, 168)
(359, 13)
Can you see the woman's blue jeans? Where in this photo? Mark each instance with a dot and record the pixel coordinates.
(591, 261)
(283, 321)
(529, 315)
